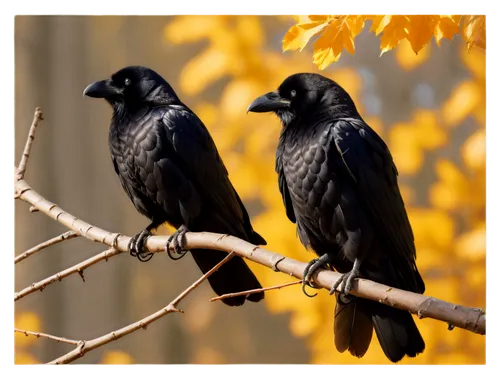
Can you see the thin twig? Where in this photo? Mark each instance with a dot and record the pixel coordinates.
(62, 237)
(78, 268)
(252, 291)
(87, 346)
(52, 337)
(21, 169)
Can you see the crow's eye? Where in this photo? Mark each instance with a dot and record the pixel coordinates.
(292, 93)
(127, 81)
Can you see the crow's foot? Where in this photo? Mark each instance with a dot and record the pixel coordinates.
(177, 239)
(312, 267)
(136, 246)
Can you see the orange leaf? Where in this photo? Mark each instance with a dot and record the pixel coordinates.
(474, 150)
(474, 31)
(356, 24)
(298, 35)
(447, 27)
(420, 30)
(393, 33)
(337, 35)
(379, 23)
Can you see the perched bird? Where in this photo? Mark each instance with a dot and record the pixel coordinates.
(170, 168)
(339, 185)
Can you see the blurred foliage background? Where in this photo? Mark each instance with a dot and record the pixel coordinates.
(429, 107)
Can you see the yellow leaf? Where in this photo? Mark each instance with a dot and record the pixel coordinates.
(420, 30)
(429, 133)
(186, 29)
(407, 59)
(209, 66)
(459, 105)
(117, 357)
(393, 33)
(474, 150)
(405, 149)
(355, 24)
(472, 245)
(447, 27)
(474, 31)
(298, 35)
(337, 35)
(379, 23)
(28, 321)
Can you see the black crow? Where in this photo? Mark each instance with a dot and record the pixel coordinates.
(339, 185)
(170, 168)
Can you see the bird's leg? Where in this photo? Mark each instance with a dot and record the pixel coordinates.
(311, 267)
(136, 244)
(347, 278)
(178, 241)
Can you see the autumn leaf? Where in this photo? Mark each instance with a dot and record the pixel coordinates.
(298, 36)
(394, 32)
(460, 104)
(339, 34)
(447, 27)
(474, 31)
(379, 23)
(420, 29)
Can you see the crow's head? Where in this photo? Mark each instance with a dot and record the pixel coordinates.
(133, 86)
(304, 94)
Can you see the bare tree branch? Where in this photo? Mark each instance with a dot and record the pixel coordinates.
(86, 346)
(252, 291)
(472, 319)
(78, 268)
(21, 169)
(40, 334)
(62, 237)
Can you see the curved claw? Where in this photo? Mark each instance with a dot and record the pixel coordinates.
(304, 284)
(136, 246)
(177, 238)
(145, 257)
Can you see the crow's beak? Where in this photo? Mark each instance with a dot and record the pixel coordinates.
(101, 89)
(269, 102)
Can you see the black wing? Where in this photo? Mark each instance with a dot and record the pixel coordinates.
(198, 158)
(370, 164)
(287, 201)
